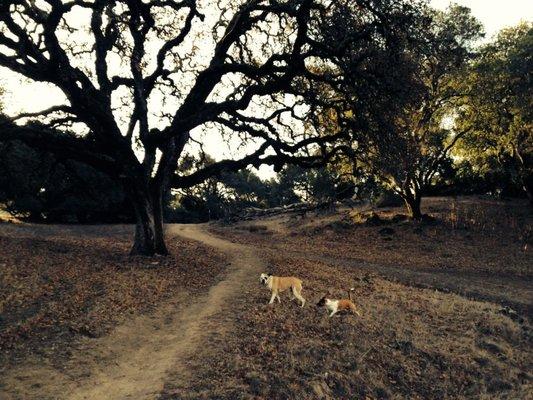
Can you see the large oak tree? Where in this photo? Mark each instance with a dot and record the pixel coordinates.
(143, 78)
(400, 117)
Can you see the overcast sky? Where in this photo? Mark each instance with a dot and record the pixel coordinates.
(494, 14)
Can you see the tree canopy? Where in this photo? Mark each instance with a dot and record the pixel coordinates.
(386, 91)
(143, 79)
(400, 122)
(500, 108)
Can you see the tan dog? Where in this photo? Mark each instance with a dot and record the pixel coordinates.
(278, 284)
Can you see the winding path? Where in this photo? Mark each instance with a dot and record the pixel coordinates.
(134, 360)
(141, 369)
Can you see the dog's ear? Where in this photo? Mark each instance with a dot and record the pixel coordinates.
(269, 273)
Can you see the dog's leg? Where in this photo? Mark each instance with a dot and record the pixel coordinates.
(333, 313)
(274, 294)
(291, 296)
(298, 295)
(292, 293)
(277, 297)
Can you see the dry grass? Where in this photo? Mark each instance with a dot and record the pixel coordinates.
(61, 282)
(494, 241)
(492, 217)
(410, 344)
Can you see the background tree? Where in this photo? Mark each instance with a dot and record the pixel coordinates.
(150, 76)
(35, 186)
(318, 185)
(217, 197)
(398, 118)
(500, 110)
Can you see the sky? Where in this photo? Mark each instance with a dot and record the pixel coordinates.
(22, 95)
(494, 14)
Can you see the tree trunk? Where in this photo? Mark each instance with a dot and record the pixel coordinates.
(148, 202)
(144, 240)
(412, 202)
(159, 232)
(159, 187)
(149, 233)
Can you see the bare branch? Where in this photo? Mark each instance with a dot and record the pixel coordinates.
(43, 113)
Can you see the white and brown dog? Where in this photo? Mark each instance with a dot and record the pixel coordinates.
(278, 284)
(334, 306)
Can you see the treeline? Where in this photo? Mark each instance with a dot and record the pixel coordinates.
(450, 118)
(37, 187)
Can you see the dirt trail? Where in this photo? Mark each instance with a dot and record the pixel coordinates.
(133, 361)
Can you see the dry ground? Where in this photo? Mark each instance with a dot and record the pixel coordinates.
(200, 327)
(82, 320)
(477, 248)
(411, 343)
(60, 281)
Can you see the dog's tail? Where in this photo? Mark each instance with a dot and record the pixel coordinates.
(350, 293)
